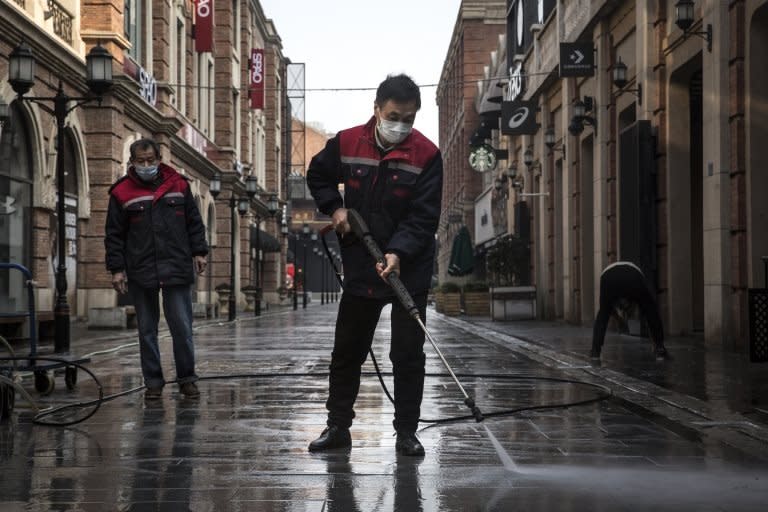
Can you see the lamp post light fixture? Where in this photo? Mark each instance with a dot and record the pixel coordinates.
(241, 206)
(528, 158)
(549, 141)
(684, 20)
(307, 232)
(620, 81)
(21, 76)
(580, 117)
(251, 187)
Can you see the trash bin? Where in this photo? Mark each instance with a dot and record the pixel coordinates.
(758, 320)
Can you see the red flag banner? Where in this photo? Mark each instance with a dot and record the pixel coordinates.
(203, 26)
(256, 78)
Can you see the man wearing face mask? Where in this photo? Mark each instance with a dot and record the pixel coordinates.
(155, 241)
(393, 176)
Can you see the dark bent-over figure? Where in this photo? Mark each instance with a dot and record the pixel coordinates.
(624, 281)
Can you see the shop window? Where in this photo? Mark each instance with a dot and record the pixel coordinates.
(15, 209)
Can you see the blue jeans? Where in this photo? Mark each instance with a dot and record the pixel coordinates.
(177, 306)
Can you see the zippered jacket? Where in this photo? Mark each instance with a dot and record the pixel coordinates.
(398, 194)
(153, 230)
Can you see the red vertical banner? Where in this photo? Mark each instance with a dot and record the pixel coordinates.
(256, 78)
(203, 26)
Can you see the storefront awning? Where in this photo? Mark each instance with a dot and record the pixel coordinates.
(261, 238)
(462, 254)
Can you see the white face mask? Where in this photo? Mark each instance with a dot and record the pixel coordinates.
(394, 132)
(146, 173)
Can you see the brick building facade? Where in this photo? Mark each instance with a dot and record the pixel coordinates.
(195, 104)
(478, 27)
(664, 170)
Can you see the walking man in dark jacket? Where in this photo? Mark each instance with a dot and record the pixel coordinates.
(155, 240)
(392, 175)
(624, 282)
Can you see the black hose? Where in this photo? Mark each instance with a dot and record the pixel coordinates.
(96, 403)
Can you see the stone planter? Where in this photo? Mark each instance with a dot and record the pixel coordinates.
(250, 299)
(477, 303)
(223, 301)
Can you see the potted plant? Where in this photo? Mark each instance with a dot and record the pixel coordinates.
(448, 299)
(476, 299)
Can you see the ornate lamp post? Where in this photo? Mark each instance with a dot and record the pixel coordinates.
(272, 207)
(21, 76)
(305, 230)
(241, 205)
(286, 233)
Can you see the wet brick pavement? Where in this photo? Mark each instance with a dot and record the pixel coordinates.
(242, 445)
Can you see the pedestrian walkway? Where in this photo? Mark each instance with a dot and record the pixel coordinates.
(242, 444)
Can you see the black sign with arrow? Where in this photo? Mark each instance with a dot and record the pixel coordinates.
(577, 59)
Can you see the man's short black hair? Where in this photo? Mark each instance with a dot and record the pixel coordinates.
(144, 144)
(400, 88)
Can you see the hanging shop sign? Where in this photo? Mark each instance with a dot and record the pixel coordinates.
(203, 26)
(577, 59)
(516, 85)
(519, 118)
(256, 78)
(482, 158)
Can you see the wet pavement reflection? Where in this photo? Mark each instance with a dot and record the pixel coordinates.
(242, 444)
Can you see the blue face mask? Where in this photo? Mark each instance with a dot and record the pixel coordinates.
(146, 173)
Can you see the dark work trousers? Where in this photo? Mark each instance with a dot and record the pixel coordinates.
(355, 327)
(625, 282)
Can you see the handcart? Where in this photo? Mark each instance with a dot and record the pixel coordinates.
(43, 371)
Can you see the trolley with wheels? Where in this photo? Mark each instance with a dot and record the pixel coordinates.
(43, 371)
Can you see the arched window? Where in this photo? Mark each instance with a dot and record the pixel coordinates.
(15, 208)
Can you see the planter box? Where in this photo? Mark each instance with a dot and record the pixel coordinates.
(448, 303)
(477, 303)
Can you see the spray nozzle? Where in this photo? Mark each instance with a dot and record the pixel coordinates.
(475, 409)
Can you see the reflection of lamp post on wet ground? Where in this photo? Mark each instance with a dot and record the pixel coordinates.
(21, 76)
(242, 205)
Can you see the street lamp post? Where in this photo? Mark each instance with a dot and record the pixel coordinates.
(305, 231)
(241, 206)
(286, 233)
(21, 76)
(319, 256)
(272, 209)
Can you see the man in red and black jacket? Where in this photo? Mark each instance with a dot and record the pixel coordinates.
(393, 176)
(155, 240)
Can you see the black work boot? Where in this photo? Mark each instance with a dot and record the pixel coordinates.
(408, 444)
(332, 437)
(661, 353)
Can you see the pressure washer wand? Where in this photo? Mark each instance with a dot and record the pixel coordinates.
(360, 229)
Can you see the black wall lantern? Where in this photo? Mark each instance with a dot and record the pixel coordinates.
(580, 117)
(549, 141)
(684, 20)
(620, 81)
